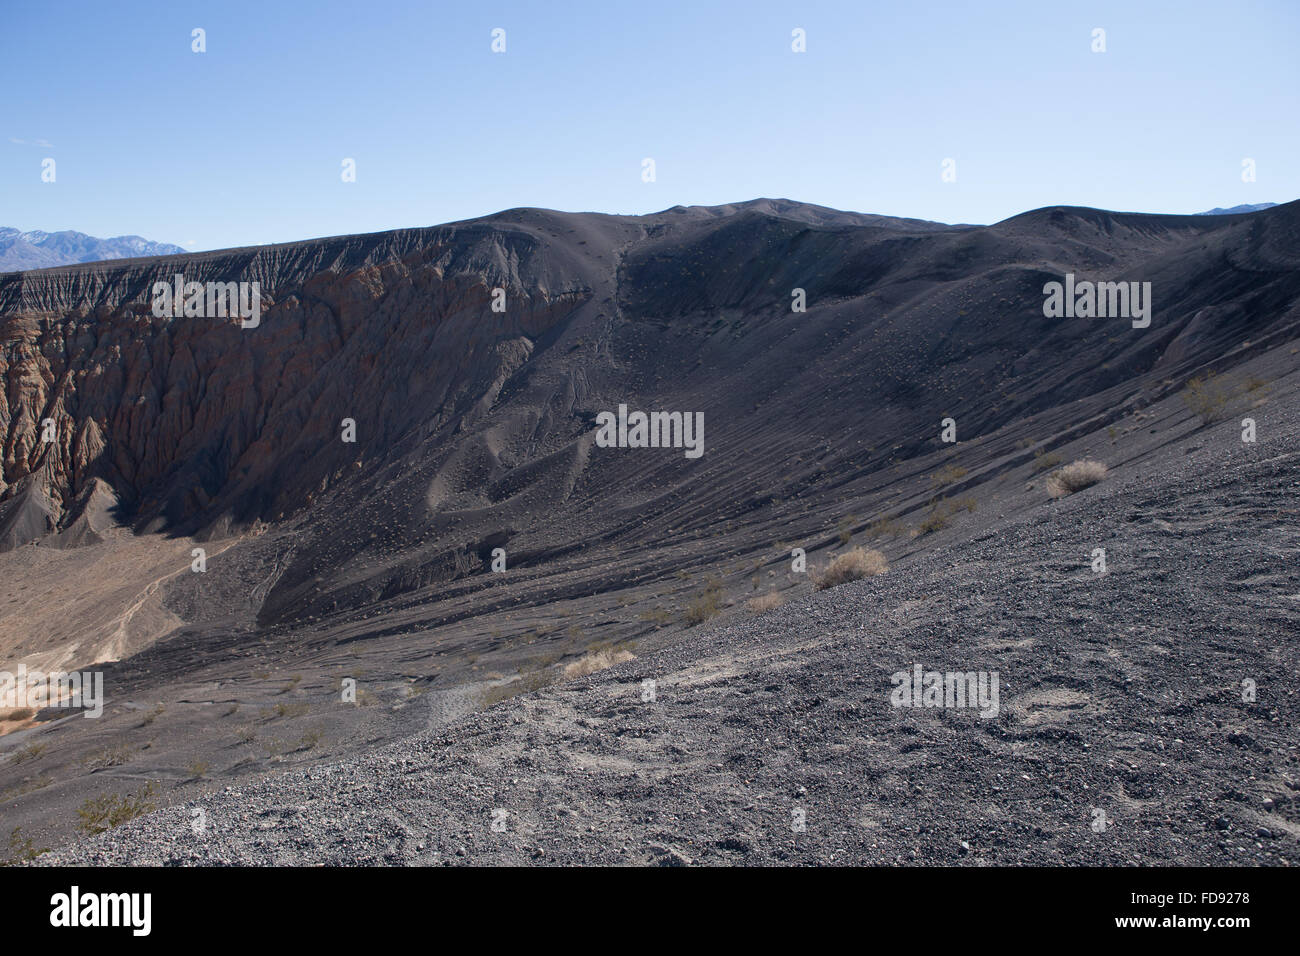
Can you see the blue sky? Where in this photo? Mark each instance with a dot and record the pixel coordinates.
(243, 144)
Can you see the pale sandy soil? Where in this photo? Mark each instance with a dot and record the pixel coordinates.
(74, 608)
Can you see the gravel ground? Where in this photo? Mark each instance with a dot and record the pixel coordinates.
(1122, 735)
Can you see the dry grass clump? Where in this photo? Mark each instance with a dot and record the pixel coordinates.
(846, 528)
(1254, 383)
(113, 756)
(1044, 461)
(21, 849)
(706, 604)
(852, 566)
(290, 710)
(1075, 477)
(767, 602)
(30, 752)
(941, 511)
(597, 660)
(885, 526)
(526, 684)
(947, 475)
(1207, 398)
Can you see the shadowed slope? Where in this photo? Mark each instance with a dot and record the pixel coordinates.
(474, 426)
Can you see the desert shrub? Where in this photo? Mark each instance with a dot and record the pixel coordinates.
(706, 604)
(936, 520)
(658, 617)
(941, 511)
(30, 752)
(884, 525)
(112, 810)
(852, 566)
(1044, 461)
(765, 603)
(289, 710)
(1075, 477)
(543, 660)
(21, 849)
(293, 682)
(1207, 398)
(108, 757)
(523, 685)
(21, 713)
(846, 528)
(947, 475)
(197, 769)
(597, 660)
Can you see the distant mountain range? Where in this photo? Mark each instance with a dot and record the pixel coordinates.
(20, 251)
(43, 250)
(1236, 210)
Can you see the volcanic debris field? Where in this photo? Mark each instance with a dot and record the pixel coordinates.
(654, 678)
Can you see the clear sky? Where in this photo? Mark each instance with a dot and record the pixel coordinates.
(243, 144)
